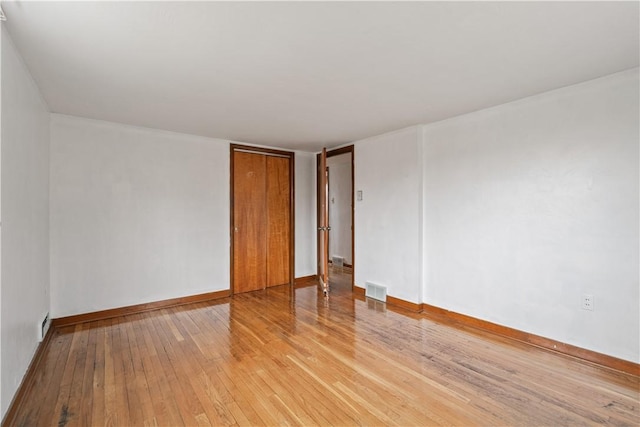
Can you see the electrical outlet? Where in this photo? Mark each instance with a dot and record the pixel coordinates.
(587, 302)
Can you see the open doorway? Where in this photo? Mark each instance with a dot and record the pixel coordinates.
(336, 201)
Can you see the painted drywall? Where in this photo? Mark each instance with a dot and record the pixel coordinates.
(137, 215)
(141, 215)
(25, 218)
(532, 204)
(340, 206)
(305, 218)
(388, 219)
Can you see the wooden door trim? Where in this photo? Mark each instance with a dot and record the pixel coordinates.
(318, 213)
(261, 150)
(339, 151)
(292, 198)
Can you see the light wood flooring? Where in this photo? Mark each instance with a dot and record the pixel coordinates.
(283, 357)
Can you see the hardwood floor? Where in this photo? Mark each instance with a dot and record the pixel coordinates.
(290, 357)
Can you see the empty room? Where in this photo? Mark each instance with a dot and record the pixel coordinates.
(319, 213)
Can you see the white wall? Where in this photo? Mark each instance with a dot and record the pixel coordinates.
(532, 204)
(140, 215)
(388, 221)
(137, 215)
(25, 218)
(305, 220)
(340, 206)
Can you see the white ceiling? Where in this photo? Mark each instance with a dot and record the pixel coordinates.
(307, 74)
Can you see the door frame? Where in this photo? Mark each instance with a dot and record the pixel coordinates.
(332, 153)
(292, 201)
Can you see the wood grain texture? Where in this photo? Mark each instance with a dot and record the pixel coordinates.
(323, 221)
(36, 372)
(558, 346)
(278, 220)
(407, 305)
(138, 308)
(311, 280)
(280, 357)
(250, 227)
(262, 218)
(464, 321)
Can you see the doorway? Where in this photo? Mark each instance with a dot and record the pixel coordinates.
(335, 218)
(262, 212)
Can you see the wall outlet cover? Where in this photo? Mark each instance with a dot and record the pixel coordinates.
(587, 302)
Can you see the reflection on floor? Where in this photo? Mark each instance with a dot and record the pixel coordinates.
(340, 278)
(290, 356)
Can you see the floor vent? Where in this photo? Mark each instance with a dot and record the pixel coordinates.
(44, 327)
(374, 291)
(337, 261)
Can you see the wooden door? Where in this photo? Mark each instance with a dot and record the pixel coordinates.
(323, 224)
(323, 215)
(278, 221)
(249, 226)
(261, 218)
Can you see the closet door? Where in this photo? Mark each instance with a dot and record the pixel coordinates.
(249, 225)
(278, 221)
(261, 218)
